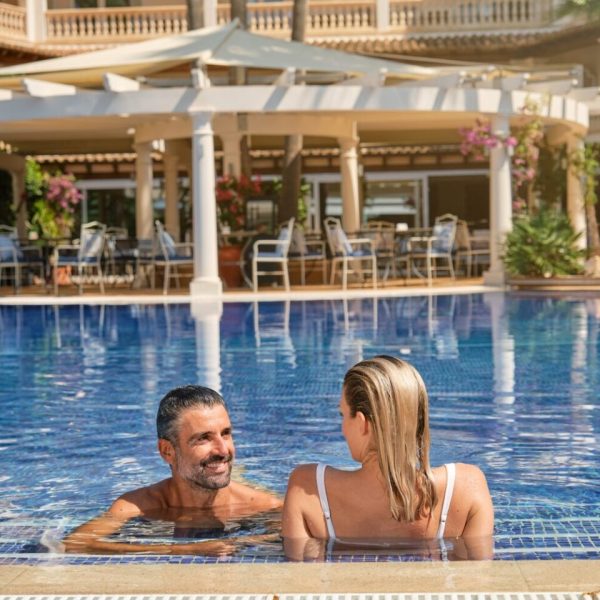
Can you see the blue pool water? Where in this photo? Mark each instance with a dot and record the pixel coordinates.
(514, 387)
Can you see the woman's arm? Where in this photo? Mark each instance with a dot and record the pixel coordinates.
(480, 519)
(294, 528)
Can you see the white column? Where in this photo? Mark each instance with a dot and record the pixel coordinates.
(210, 13)
(144, 209)
(19, 204)
(206, 280)
(232, 157)
(503, 350)
(207, 318)
(36, 19)
(575, 199)
(350, 193)
(383, 15)
(171, 164)
(500, 203)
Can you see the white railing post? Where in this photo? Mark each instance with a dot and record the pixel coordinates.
(210, 13)
(36, 20)
(382, 18)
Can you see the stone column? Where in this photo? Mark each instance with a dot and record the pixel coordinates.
(36, 20)
(171, 168)
(19, 204)
(232, 158)
(350, 193)
(575, 199)
(383, 15)
(206, 280)
(500, 203)
(144, 209)
(210, 13)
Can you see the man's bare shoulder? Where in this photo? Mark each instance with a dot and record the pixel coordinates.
(258, 500)
(137, 502)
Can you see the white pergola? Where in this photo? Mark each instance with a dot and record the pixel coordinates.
(124, 93)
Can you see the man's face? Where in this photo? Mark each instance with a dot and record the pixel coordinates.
(204, 450)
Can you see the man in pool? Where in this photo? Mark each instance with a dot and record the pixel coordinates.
(195, 439)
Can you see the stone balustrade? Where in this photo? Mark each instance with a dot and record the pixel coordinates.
(424, 16)
(326, 18)
(94, 25)
(13, 22)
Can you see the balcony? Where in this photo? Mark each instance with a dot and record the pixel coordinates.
(327, 19)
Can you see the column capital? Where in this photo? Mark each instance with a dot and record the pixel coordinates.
(202, 122)
(142, 148)
(348, 146)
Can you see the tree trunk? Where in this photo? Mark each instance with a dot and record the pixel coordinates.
(195, 14)
(292, 165)
(592, 225)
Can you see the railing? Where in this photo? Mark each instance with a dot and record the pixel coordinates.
(454, 16)
(114, 24)
(325, 18)
(13, 24)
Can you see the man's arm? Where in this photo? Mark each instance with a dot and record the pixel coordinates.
(89, 537)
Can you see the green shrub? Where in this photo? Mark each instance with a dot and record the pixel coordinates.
(543, 245)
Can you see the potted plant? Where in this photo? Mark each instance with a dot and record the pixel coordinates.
(231, 195)
(543, 245)
(55, 198)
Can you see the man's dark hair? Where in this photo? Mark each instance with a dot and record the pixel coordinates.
(178, 400)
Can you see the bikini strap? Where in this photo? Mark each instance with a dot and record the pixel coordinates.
(323, 498)
(450, 478)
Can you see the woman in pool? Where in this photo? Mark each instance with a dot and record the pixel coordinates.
(395, 494)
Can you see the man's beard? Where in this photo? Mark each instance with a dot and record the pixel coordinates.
(201, 476)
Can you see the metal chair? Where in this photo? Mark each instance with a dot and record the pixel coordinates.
(17, 257)
(303, 251)
(347, 252)
(171, 257)
(468, 252)
(383, 241)
(273, 252)
(84, 255)
(435, 248)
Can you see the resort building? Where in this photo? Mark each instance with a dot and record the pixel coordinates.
(424, 70)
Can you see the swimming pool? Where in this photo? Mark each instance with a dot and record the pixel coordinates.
(514, 384)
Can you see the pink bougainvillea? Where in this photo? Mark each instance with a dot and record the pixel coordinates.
(231, 194)
(523, 146)
(62, 192)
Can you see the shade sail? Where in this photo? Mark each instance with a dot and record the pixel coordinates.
(224, 46)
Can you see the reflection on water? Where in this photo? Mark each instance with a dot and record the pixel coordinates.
(477, 548)
(514, 384)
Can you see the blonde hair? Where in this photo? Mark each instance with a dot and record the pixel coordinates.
(393, 398)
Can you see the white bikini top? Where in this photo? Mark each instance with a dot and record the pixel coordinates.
(451, 474)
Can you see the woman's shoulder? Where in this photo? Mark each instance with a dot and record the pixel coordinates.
(303, 474)
(469, 480)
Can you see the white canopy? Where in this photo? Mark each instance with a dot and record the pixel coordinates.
(223, 46)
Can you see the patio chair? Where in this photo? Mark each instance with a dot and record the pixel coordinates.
(303, 251)
(348, 252)
(473, 251)
(383, 233)
(84, 254)
(16, 257)
(435, 248)
(273, 253)
(172, 256)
